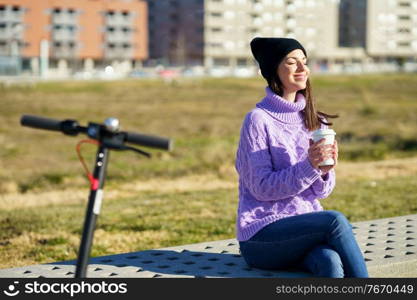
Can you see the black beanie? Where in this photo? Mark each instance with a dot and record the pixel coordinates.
(270, 51)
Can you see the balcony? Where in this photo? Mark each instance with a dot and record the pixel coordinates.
(118, 51)
(64, 35)
(8, 32)
(61, 50)
(64, 18)
(119, 36)
(119, 18)
(10, 15)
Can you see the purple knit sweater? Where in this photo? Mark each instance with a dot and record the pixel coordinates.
(276, 178)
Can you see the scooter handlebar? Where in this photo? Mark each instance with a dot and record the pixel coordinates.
(149, 141)
(71, 127)
(40, 122)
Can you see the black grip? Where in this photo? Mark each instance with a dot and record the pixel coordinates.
(40, 122)
(149, 141)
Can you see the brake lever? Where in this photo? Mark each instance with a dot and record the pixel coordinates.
(148, 155)
(116, 143)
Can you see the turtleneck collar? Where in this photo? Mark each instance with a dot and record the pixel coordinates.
(281, 109)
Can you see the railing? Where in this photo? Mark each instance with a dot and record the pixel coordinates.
(64, 35)
(64, 18)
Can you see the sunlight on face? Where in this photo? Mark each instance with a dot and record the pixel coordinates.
(293, 71)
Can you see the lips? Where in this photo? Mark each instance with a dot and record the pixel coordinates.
(299, 77)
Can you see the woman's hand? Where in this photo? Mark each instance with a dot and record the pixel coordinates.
(318, 152)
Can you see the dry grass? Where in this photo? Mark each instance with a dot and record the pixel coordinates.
(11, 201)
(346, 171)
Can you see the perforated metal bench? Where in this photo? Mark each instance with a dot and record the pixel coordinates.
(388, 245)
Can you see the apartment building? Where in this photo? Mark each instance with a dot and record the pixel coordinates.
(385, 29)
(74, 34)
(391, 28)
(216, 33)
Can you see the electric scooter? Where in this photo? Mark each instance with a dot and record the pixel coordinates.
(106, 136)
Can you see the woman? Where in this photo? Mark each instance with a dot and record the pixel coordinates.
(281, 223)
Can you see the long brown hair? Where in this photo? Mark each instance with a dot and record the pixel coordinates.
(312, 117)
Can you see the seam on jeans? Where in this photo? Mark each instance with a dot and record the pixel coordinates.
(286, 240)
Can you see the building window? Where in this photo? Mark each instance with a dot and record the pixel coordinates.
(173, 3)
(220, 61)
(242, 62)
(404, 4)
(216, 29)
(216, 45)
(404, 44)
(216, 14)
(404, 17)
(403, 30)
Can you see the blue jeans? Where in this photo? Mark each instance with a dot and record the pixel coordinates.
(320, 242)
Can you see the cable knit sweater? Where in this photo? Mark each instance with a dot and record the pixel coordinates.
(276, 178)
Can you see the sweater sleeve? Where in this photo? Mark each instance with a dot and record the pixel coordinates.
(323, 186)
(254, 165)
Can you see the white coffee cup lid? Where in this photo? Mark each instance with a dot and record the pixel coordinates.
(327, 131)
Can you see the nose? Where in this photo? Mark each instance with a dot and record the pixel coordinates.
(301, 66)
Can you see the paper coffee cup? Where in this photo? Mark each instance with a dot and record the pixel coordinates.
(328, 135)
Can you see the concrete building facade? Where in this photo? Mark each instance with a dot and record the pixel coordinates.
(76, 33)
